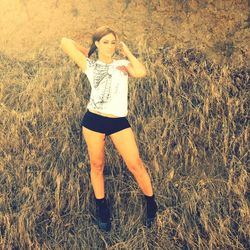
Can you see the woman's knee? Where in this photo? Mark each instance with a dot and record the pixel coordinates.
(136, 166)
(97, 166)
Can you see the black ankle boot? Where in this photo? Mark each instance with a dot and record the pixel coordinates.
(151, 210)
(103, 215)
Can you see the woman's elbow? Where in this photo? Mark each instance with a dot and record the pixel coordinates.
(138, 75)
(143, 73)
(63, 40)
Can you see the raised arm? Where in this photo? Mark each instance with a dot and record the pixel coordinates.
(135, 67)
(75, 51)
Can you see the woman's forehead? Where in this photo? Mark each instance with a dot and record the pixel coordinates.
(109, 37)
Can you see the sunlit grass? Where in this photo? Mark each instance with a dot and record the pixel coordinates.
(190, 120)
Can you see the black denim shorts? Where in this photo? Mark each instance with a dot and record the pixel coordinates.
(103, 124)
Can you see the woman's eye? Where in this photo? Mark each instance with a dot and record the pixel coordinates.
(108, 42)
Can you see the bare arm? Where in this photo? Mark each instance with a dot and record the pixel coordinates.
(135, 68)
(84, 50)
(75, 51)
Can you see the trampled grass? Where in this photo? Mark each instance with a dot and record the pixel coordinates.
(190, 117)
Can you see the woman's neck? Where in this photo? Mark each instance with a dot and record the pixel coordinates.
(105, 59)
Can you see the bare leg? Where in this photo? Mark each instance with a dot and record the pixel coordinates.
(142, 177)
(95, 144)
(125, 143)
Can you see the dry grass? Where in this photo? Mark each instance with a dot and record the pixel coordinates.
(190, 117)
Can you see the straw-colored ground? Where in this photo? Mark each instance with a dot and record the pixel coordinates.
(190, 116)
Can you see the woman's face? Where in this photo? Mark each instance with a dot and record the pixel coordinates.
(107, 45)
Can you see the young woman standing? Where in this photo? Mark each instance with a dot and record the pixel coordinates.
(106, 114)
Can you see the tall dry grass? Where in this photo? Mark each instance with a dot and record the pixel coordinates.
(190, 117)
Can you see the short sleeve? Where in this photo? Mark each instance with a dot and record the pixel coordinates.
(89, 64)
(124, 62)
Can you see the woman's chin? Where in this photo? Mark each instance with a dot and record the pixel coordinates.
(110, 54)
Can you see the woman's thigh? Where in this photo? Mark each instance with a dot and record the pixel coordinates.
(126, 145)
(95, 144)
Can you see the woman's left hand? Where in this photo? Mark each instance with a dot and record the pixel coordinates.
(123, 49)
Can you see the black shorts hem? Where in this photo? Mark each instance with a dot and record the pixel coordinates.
(103, 124)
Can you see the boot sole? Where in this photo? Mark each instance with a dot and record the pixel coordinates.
(149, 222)
(104, 226)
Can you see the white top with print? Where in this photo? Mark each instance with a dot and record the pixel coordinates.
(109, 86)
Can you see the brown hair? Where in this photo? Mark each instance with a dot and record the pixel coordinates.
(97, 36)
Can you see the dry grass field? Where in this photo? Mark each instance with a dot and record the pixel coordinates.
(191, 120)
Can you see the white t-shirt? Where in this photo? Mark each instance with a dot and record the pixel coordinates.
(109, 86)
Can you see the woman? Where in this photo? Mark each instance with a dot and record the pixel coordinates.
(106, 114)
